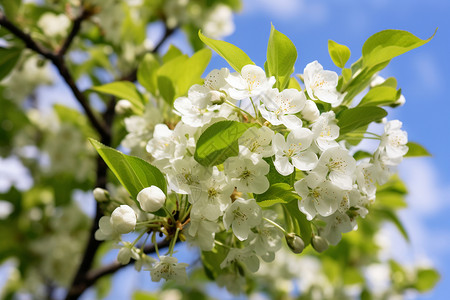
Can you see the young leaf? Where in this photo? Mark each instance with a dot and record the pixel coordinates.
(390, 215)
(146, 74)
(8, 60)
(303, 224)
(277, 193)
(172, 53)
(133, 173)
(416, 150)
(338, 53)
(387, 44)
(219, 141)
(379, 96)
(426, 279)
(192, 71)
(281, 57)
(357, 117)
(232, 54)
(123, 90)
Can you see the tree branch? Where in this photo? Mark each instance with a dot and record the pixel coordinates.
(60, 64)
(93, 275)
(76, 26)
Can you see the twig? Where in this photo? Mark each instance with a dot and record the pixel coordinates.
(60, 64)
(76, 26)
(93, 275)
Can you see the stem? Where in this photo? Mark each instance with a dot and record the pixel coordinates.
(173, 241)
(138, 238)
(221, 244)
(276, 225)
(254, 107)
(243, 111)
(154, 243)
(169, 214)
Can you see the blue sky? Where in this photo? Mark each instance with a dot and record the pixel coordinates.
(420, 74)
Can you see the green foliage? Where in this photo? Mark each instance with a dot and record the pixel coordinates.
(123, 90)
(232, 54)
(219, 141)
(301, 225)
(354, 118)
(8, 60)
(387, 44)
(380, 96)
(338, 53)
(74, 117)
(426, 279)
(281, 57)
(416, 149)
(146, 74)
(277, 193)
(133, 173)
(175, 77)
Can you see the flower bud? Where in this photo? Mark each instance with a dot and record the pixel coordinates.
(310, 112)
(101, 195)
(217, 97)
(319, 243)
(123, 219)
(123, 106)
(151, 198)
(295, 243)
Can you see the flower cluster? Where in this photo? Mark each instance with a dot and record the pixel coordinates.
(296, 137)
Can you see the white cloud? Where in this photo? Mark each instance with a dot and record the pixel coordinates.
(288, 10)
(428, 71)
(427, 199)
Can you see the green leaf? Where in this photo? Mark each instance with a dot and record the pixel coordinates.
(146, 74)
(133, 173)
(123, 90)
(281, 57)
(387, 44)
(8, 60)
(232, 54)
(416, 150)
(304, 225)
(379, 96)
(357, 117)
(361, 155)
(390, 215)
(219, 141)
(74, 117)
(294, 84)
(192, 71)
(277, 193)
(338, 53)
(172, 53)
(426, 279)
(179, 74)
(362, 79)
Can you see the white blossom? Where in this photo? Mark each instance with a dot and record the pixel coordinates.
(123, 219)
(251, 82)
(257, 140)
(393, 143)
(243, 255)
(242, 216)
(219, 22)
(318, 196)
(294, 151)
(169, 269)
(151, 198)
(246, 174)
(320, 84)
(325, 131)
(54, 25)
(280, 107)
(338, 165)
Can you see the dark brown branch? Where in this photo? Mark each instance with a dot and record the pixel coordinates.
(25, 37)
(93, 275)
(60, 64)
(132, 76)
(76, 26)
